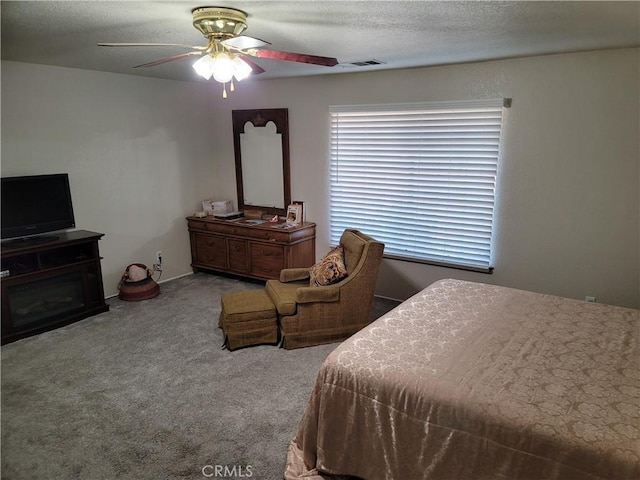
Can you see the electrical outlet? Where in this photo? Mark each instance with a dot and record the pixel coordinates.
(158, 265)
(590, 299)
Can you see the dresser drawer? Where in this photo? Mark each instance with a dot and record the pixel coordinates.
(198, 225)
(238, 257)
(266, 260)
(211, 250)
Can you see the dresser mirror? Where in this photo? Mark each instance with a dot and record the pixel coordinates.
(261, 148)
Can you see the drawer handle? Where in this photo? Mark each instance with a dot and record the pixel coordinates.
(237, 248)
(210, 243)
(267, 253)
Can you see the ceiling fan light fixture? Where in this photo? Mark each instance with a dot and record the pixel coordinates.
(241, 69)
(204, 66)
(222, 68)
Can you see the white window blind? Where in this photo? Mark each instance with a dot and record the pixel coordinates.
(418, 177)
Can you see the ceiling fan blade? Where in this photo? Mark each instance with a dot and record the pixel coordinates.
(196, 47)
(168, 59)
(255, 68)
(292, 57)
(242, 42)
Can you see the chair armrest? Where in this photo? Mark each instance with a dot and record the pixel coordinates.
(293, 274)
(330, 293)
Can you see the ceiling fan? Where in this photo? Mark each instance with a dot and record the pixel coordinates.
(226, 54)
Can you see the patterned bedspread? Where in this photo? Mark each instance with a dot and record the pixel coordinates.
(473, 381)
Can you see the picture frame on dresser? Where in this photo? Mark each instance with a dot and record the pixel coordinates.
(294, 214)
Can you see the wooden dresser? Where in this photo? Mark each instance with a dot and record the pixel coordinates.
(254, 251)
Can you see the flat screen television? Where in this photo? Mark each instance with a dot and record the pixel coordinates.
(35, 205)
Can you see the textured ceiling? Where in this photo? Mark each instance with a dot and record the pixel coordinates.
(398, 34)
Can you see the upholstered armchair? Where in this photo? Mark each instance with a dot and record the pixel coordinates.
(313, 315)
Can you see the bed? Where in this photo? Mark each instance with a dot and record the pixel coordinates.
(473, 381)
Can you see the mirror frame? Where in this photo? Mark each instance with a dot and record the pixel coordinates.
(259, 118)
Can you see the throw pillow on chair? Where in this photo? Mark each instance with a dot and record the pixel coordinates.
(330, 269)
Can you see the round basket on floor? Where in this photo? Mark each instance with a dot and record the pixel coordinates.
(134, 291)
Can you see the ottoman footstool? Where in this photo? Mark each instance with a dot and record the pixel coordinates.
(248, 318)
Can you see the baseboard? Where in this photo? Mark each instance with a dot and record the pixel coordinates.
(176, 277)
(159, 283)
(191, 273)
(389, 298)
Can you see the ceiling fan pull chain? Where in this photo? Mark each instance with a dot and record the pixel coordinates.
(224, 90)
(231, 87)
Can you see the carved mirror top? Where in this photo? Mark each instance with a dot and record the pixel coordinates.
(261, 147)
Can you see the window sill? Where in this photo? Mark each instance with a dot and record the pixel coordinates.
(436, 263)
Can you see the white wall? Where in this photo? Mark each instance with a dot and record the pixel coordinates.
(137, 151)
(142, 153)
(568, 212)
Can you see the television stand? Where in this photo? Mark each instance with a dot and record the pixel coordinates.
(28, 241)
(48, 285)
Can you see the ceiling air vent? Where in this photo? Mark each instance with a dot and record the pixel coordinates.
(367, 63)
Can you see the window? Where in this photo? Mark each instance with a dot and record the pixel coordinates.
(418, 177)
